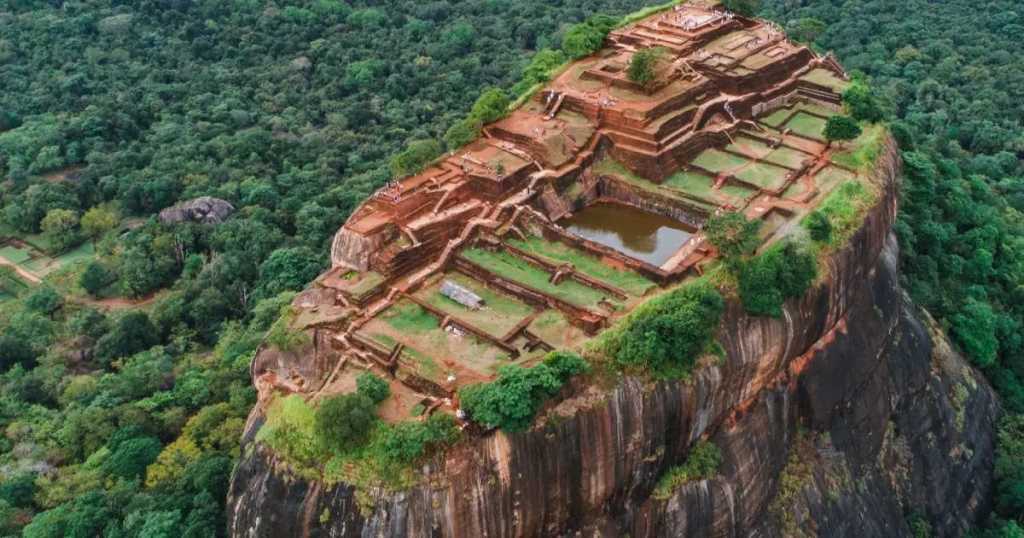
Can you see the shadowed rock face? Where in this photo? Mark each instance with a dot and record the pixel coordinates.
(839, 419)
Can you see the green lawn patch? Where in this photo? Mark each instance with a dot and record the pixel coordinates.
(14, 254)
(830, 176)
(702, 186)
(844, 208)
(795, 191)
(862, 152)
(776, 118)
(83, 252)
(409, 317)
(807, 125)
(513, 268)
(717, 161)
(10, 282)
(365, 283)
(763, 175)
(785, 156)
(824, 77)
(749, 146)
(816, 109)
(500, 314)
(629, 281)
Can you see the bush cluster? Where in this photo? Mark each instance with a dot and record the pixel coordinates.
(701, 463)
(642, 66)
(587, 37)
(668, 334)
(511, 401)
(785, 271)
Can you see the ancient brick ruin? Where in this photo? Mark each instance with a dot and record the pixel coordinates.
(732, 121)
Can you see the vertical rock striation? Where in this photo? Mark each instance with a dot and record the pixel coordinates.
(845, 417)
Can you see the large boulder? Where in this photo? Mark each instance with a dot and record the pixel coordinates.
(205, 209)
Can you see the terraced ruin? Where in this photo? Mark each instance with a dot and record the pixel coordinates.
(570, 211)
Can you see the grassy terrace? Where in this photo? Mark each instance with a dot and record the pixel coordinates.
(764, 175)
(825, 77)
(553, 327)
(421, 332)
(831, 176)
(776, 118)
(559, 253)
(750, 147)
(717, 161)
(703, 186)
(698, 188)
(787, 157)
(862, 152)
(500, 314)
(807, 125)
(513, 268)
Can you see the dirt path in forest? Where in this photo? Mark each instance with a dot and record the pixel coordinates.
(31, 277)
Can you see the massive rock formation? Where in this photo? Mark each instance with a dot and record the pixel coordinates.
(848, 416)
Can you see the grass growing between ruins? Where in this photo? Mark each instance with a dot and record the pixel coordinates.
(807, 125)
(508, 266)
(386, 459)
(647, 12)
(844, 209)
(718, 161)
(764, 175)
(629, 281)
(785, 156)
(826, 78)
(702, 186)
(830, 176)
(776, 118)
(701, 463)
(10, 283)
(409, 317)
(498, 316)
(862, 152)
(285, 337)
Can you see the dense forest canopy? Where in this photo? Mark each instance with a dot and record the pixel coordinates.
(125, 422)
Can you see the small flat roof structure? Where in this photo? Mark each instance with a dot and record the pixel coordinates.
(461, 295)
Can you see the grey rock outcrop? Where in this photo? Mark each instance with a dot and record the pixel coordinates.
(205, 210)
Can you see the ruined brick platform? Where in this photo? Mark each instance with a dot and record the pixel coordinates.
(732, 122)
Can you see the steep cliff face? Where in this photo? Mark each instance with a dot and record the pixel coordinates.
(846, 417)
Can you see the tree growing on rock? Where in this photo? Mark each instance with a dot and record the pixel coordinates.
(344, 422)
(841, 129)
(642, 67)
(733, 235)
(862, 103)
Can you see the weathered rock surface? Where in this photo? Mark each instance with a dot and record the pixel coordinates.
(205, 209)
(842, 418)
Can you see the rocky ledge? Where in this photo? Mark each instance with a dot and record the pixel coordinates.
(850, 415)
